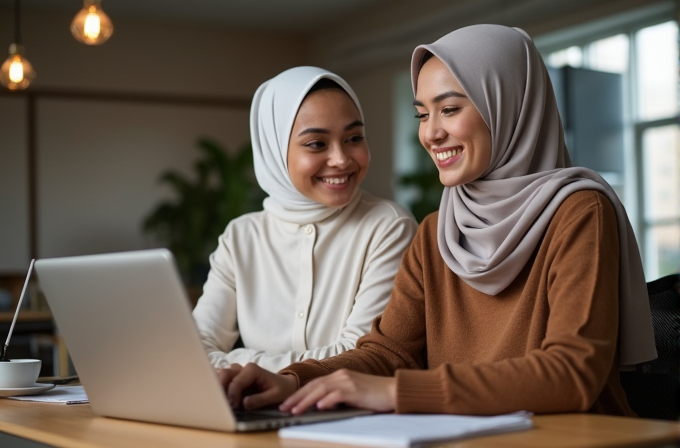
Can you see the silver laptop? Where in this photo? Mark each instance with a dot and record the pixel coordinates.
(127, 324)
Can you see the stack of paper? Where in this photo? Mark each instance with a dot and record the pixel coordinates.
(60, 394)
(407, 430)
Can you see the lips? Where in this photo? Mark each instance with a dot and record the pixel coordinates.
(336, 180)
(447, 156)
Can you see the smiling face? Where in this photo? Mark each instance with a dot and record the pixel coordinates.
(451, 129)
(327, 154)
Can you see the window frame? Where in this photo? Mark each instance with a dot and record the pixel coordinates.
(628, 24)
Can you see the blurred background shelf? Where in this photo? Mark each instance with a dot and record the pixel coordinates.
(35, 335)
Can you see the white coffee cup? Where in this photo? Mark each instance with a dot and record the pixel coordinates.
(19, 373)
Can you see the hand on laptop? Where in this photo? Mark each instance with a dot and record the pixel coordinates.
(254, 387)
(359, 390)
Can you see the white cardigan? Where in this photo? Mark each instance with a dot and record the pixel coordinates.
(293, 291)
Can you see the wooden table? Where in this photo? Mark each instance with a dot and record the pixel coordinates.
(75, 426)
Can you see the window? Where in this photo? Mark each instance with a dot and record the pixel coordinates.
(657, 71)
(647, 57)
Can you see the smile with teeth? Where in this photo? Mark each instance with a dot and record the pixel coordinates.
(335, 180)
(444, 155)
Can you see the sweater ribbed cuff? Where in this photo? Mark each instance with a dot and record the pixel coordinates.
(420, 391)
(305, 371)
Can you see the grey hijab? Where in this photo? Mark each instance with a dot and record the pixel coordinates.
(488, 229)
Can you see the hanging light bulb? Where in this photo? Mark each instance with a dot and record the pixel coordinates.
(91, 25)
(16, 72)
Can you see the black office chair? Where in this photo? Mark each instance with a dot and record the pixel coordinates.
(652, 389)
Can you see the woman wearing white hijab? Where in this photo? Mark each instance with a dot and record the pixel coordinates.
(524, 292)
(305, 277)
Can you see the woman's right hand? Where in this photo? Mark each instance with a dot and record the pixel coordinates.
(253, 387)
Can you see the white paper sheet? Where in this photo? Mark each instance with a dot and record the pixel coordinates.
(407, 430)
(60, 394)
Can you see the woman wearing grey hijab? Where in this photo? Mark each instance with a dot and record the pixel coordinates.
(525, 291)
(305, 277)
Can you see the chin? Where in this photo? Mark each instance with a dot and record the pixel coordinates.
(335, 204)
(447, 181)
(336, 201)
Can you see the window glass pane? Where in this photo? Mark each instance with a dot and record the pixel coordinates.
(662, 255)
(572, 56)
(609, 55)
(661, 162)
(657, 68)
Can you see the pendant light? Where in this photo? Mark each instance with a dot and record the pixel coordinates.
(16, 72)
(91, 25)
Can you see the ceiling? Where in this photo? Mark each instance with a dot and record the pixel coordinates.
(276, 15)
(352, 35)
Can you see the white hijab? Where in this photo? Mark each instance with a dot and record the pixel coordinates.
(272, 114)
(488, 229)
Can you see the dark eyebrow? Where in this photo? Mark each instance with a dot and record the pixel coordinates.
(352, 125)
(442, 97)
(313, 131)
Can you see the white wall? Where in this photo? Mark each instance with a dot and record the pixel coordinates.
(13, 185)
(98, 182)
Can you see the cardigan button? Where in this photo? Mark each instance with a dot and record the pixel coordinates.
(309, 229)
(301, 314)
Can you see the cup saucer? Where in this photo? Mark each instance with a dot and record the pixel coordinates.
(30, 390)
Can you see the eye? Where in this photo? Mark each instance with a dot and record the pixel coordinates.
(450, 110)
(356, 138)
(316, 144)
(422, 116)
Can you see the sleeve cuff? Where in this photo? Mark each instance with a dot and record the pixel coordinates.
(306, 371)
(421, 391)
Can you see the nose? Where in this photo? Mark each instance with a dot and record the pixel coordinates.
(433, 131)
(338, 157)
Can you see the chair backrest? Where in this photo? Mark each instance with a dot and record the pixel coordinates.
(652, 389)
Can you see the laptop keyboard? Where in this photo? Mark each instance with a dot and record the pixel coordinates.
(267, 419)
(262, 414)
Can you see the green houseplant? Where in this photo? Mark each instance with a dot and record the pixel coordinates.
(424, 182)
(223, 188)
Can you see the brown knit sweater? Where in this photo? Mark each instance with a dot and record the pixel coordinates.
(547, 343)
